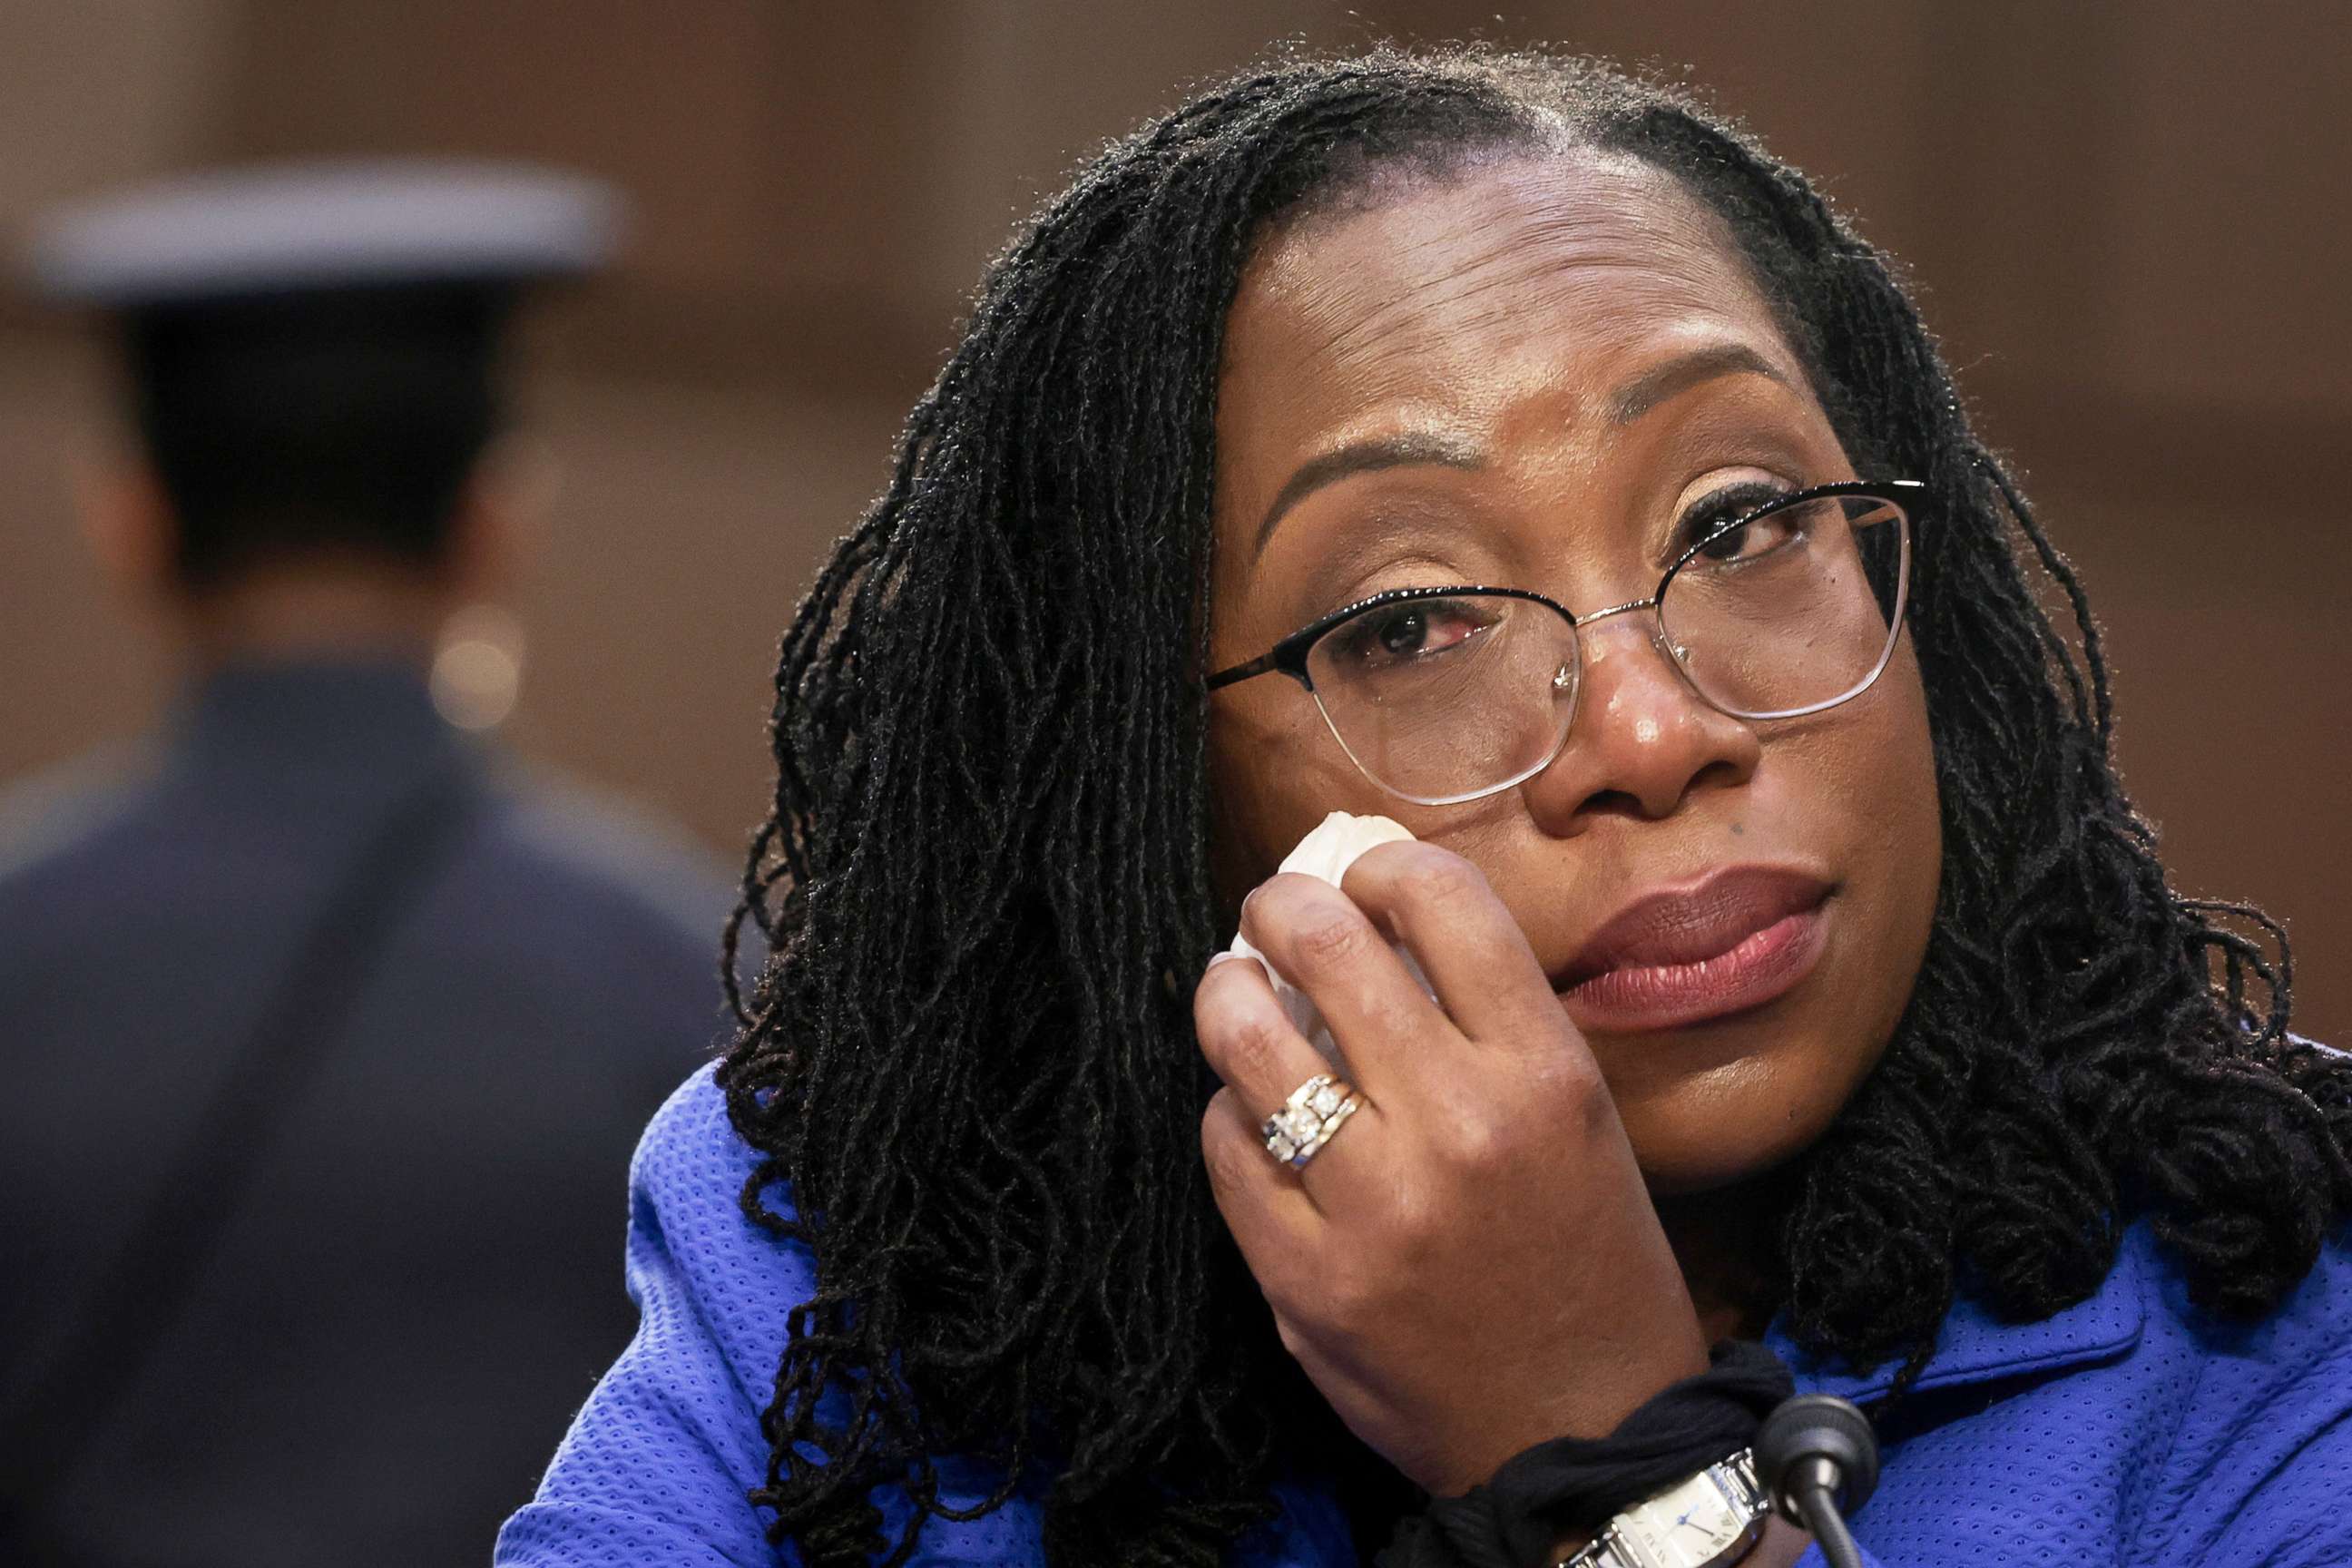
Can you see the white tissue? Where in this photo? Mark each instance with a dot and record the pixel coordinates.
(1328, 852)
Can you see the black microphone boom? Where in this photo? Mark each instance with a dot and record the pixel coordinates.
(1818, 1458)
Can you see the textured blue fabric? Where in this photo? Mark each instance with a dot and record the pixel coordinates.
(2127, 1430)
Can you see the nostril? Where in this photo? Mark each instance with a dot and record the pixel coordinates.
(1614, 802)
(1722, 770)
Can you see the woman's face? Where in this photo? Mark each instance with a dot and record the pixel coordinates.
(1539, 366)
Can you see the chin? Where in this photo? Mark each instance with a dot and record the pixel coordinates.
(1715, 1124)
(1711, 1105)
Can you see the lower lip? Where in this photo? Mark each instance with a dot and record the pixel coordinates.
(1761, 969)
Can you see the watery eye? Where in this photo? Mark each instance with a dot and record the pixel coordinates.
(1403, 633)
(1409, 632)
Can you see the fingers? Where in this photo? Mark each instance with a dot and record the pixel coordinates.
(1325, 945)
(1476, 958)
(1247, 1037)
(1252, 1044)
(1273, 1219)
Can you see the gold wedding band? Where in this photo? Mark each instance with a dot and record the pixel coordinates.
(1308, 1120)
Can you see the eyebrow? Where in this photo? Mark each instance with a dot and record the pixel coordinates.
(1679, 375)
(1631, 401)
(1367, 455)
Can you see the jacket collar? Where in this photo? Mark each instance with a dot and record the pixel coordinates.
(259, 729)
(1974, 1346)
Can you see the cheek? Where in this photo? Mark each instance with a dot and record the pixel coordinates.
(1883, 813)
(1275, 773)
(1858, 787)
(1899, 858)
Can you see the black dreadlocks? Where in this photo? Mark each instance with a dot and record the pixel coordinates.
(985, 881)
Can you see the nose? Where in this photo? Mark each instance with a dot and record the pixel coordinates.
(1643, 742)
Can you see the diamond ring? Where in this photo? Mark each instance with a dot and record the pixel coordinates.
(1297, 1133)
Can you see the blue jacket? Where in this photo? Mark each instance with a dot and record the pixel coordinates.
(2126, 1430)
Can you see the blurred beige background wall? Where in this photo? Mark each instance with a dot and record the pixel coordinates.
(2128, 221)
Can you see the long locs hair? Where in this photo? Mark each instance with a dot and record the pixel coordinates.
(969, 1067)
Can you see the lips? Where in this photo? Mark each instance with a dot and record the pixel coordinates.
(1738, 939)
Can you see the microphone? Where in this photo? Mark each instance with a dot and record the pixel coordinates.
(1818, 1459)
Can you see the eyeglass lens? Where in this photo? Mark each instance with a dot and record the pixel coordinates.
(1791, 611)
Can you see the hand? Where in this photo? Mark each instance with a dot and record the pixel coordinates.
(1471, 1265)
(1782, 1544)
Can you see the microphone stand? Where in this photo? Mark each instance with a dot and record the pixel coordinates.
(1818, 1458)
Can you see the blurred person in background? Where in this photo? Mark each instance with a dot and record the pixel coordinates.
(326, 1031)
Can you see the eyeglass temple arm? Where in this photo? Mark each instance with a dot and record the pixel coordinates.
(1258, 666)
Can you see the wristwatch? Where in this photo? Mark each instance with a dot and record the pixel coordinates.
(1706, 1521)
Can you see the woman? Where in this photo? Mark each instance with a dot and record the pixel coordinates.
(1417, 435)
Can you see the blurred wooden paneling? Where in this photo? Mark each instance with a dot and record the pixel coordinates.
(2126, 220)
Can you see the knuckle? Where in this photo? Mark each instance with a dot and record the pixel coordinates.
(1475, 1145)
(1251, 1047)
(1345, 1300)
(1440, 879)
(1329, 937)
(1574, 1087)
(1221, 986)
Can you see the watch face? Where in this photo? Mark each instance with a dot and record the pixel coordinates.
(1688, 1537)
(1697, 1523)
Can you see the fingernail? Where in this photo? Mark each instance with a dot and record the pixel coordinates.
(1227, 956)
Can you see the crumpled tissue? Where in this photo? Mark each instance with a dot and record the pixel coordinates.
(1328, 852)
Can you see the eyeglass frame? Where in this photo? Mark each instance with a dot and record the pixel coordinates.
(1289, 654)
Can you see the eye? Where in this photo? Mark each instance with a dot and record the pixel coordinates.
(1713, 526)
(1390, 636)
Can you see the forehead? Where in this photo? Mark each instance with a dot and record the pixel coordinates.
(1549, 277)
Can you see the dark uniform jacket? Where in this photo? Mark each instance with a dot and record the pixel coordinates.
(416, 1284)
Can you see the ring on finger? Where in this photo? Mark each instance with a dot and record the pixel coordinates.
(1309, 1119)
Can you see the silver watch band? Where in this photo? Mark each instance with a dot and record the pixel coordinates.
(1706, 1521)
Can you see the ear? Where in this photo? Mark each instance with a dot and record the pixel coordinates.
(128, 522)
(500, 522)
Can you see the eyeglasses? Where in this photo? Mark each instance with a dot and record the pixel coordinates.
(1445, 695)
